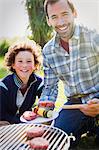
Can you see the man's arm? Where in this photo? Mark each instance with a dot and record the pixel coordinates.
(50, 89)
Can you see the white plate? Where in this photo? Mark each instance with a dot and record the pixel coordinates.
(41, 119)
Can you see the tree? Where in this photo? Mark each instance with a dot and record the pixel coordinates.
(41, 33)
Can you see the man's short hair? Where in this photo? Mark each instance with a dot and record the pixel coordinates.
(51, 2)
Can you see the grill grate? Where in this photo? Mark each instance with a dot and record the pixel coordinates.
(13, 137)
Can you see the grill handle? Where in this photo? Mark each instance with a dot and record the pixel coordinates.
(67, 145)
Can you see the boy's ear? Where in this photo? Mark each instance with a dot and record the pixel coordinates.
(13, 66)
(35, 68)
(48, 22)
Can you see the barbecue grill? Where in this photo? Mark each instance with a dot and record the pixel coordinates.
(13, 137)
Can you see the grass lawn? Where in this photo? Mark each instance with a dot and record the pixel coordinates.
(3, 71)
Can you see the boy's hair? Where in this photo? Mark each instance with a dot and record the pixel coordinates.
(23, 45)
(51, 2)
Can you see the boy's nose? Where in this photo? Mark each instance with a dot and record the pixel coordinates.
(24, 64)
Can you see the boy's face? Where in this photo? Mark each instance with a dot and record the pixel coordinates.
(24, 65)
(61, 18)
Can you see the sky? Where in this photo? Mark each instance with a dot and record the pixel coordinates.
(14, 18)
(88, 12)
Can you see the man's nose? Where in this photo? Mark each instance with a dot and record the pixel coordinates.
(60, 21)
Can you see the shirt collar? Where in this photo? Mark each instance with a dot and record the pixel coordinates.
(75, 36)
(76, 32)
(19, 82)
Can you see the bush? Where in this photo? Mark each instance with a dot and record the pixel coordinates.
(3, 73)
(4, 45)
(41, 33)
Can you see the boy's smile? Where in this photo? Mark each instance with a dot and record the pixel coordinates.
(24, 65)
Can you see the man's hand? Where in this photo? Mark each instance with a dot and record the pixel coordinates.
(44, 109)
(47, 104)
(92, 108)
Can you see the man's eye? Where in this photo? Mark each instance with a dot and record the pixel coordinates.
(65, 14)
(54, 17)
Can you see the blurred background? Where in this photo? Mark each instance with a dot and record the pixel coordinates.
(14, 17)
(25, 18)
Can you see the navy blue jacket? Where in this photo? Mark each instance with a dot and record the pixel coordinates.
(8, 107)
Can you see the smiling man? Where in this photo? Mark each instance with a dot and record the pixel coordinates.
(72, 56)
(61, 18)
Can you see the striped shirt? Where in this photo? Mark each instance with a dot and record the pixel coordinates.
(79, 70)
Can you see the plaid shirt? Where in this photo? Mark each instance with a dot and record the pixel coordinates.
(79, 70)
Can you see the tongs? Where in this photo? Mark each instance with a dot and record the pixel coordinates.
(73, 106)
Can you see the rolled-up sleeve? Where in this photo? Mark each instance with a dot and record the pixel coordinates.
(50, 89)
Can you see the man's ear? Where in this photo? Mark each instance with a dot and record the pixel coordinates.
(75, 13)
(48, 22)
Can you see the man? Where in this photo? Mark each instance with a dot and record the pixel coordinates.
(72, 56)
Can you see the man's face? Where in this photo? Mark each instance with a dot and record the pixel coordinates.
(61, 18)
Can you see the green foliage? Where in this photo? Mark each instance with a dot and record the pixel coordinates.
(4, 45)
(41, 33)
(3, 70)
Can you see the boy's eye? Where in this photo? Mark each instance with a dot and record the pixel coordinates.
(29, 61)
(20, 61)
